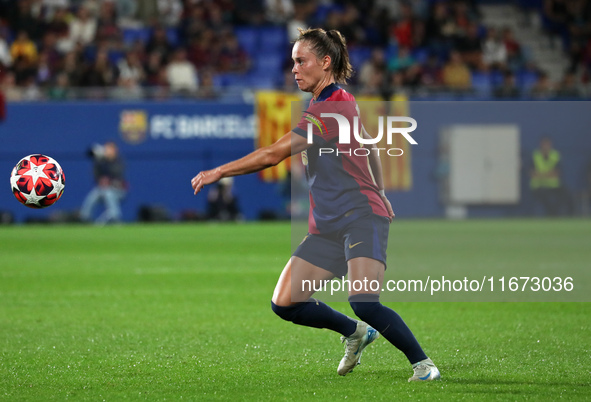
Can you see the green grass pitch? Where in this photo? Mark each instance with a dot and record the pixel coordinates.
(182, 312)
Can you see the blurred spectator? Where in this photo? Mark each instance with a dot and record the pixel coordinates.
(107, 31)
(126, 11)
(99, 74)
(508, 88)
(2, 104)
(401, 31)
(153, 68)
(401, 61)
(555, 16)
(278, 11)
(82, 28)
(374, 86)
(441, 29)
(5, 57)
(181, 74)
(203, 49)
(375, 65)
(462, 18)
(53, 7)
(232, 57)
(397, 85)
(110, 185)
(170, 12)
(159, 42)
(24, 48)
(194, 21)
(147, 12)
(546, 183)
(44, 72)
(11, 91)
(128, 88)
(71, 67)
(300, 15)
(568, 86)
(49, 48)
(222, 204)
(456, 74)
(61, 88)
(432, 74)
(59, 26)
(494, 51)
(22, 18)
(31, 91)
(513, 48)
(207, 88)
(288, 84)
(470, 46)
(131, 68)
(413, 76)
(542, 88)
(578, 23)
(350, 25)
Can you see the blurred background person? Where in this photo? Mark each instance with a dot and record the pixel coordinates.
(545, 182)
(222, 204)
(110, 188)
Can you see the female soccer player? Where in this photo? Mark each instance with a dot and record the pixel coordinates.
(349, 214)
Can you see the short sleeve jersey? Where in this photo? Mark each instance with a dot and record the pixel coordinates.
(342, 187)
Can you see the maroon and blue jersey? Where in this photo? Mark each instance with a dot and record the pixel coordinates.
(342, 187)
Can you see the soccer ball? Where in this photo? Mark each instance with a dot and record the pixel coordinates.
(37, 181)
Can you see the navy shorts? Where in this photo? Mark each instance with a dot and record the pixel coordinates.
(364, 237)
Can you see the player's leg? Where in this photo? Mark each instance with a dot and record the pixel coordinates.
(292, 298)
(113, 211)
(368, 274)
(89, 203)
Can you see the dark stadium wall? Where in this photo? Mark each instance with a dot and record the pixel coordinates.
(166, 144)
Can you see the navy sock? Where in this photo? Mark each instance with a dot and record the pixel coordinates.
(388, 323)
(316, 314)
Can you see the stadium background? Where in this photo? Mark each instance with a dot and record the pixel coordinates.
(163, 78)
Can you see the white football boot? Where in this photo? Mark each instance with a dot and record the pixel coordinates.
(363, 336)
(425, 370)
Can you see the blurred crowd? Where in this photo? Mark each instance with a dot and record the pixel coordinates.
(56, 49)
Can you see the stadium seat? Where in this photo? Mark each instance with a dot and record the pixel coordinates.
(115, 56)
(420, 55)
(272, 38)
(232, 80)
(131, 35)
(248, 38)
(262, 82)
(268, 63)
(526, 80)
(173, 36)
(358, 55)
(482, 84)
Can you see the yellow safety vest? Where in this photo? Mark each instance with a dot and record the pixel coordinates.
(544, 165)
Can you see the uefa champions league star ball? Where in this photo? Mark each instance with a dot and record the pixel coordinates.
(37, 181)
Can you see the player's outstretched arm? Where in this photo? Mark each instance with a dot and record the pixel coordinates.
(262, 158)
(376, 169)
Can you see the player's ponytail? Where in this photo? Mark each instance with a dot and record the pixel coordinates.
(333, 44)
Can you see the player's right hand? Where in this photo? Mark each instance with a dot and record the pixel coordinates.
(391, 214)
(204, 178)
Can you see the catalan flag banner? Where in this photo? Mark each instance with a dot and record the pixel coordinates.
(397, 170)
(273, 111)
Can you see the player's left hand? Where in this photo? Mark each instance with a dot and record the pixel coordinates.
(391, 214)
(205, 178)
